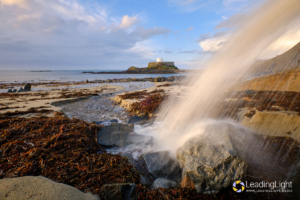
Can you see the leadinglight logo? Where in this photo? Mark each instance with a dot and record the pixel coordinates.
(238, 186)
(263, 186)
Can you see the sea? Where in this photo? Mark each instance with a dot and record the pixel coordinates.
(20, 76)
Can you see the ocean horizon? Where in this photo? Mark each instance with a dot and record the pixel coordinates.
(20, 76)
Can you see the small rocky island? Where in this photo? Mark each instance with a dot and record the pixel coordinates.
(158, 67)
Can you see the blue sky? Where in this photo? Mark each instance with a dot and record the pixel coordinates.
(114, 34)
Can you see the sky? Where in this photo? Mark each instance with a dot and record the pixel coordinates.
(115, 34)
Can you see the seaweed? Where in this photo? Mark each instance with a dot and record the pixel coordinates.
(61, 149)
(148, 105)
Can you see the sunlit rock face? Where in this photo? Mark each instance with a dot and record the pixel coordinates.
(211, 160)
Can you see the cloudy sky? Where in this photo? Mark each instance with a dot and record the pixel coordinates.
(114, 34)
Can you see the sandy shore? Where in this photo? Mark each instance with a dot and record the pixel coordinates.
(20, 102)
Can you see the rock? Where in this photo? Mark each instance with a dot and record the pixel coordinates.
(158, 79)
(120, 191)
(136, 119)
(114, 120)
(27, 87)
(9, 91)
(14, 90)
(162, 165)
(21, 90)
(163, 183)
(39, 187)
(145, 177)
(210, 159)
(187, 182)
(116, 134)
(87, 81)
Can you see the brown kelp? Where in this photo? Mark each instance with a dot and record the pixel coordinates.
(61, 149)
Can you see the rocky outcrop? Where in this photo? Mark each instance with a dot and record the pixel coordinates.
(163, 183)
(120, 191)
(162, 165)
(211, 160)
(26, 88)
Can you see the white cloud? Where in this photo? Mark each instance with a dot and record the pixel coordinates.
(144, 49)
(189, 52)
(19, 3)
(65, 33)
(190, 29)
(214, 43)
(127, 21)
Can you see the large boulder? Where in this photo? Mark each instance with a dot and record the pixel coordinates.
(120, 191)
(162, 165)
(210, 160)
(39, 187)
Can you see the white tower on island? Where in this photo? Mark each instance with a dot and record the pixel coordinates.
(159, 60)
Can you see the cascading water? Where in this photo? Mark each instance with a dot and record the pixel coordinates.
(180, 119)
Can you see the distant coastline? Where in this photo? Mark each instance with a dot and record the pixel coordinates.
(41, 71)
(138, 72)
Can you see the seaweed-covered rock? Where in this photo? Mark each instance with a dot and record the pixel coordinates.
(161, 165)
(163, 183)
(120, 191)
(210, 159)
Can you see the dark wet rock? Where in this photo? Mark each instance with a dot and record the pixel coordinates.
(115, 134)
(211, 160)
(136, 119)
(9, 91)
(14, 90)
(98, 122)
(114, 120)
(158, 79)
(87, 81)
(121, 135)
(162, 165)
(21, 90)
(163, 183)
(145, 176)
(27, 87)
(120, 191)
